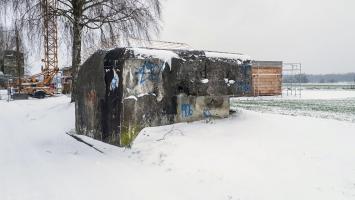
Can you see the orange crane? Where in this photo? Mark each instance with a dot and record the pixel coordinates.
(50, 34)
(40, 85)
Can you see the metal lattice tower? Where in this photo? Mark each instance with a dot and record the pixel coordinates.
(294, 71)
(50, 34)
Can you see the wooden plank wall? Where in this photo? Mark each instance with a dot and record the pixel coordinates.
(267, 81)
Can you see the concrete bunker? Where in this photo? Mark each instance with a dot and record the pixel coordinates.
(121, 91)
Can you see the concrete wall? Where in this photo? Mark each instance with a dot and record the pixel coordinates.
(120, 94)
(91, 98)
(194, 108)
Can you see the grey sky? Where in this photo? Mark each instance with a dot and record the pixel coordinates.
(318, 33)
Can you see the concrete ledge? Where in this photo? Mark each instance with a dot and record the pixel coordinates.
(195, 108)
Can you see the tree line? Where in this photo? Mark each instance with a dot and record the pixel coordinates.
(319, 78)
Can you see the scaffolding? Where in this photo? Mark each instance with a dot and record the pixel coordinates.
(292, 83)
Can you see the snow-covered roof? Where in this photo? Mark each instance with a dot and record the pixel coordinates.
(234, 56)
(165, 55)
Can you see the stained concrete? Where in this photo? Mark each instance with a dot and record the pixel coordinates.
(119, 94)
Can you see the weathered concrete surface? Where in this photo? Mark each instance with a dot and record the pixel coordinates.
(119, 93)
(194, 108)
(89, 104)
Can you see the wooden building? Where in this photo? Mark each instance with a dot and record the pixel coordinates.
(267, 78)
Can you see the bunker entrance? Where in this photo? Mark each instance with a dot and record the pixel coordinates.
(112, 102)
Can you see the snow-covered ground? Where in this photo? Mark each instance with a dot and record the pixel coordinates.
(321, 94)
(330, 104)
(251, 155)
(308, 94)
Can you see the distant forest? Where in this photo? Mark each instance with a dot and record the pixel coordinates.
(319, 78)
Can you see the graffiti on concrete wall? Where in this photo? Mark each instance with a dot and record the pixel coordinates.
(114, 81)
(186, 110)
(246, 69)
(243, 86)
(206, 113)
(148, 71)
(91, 97)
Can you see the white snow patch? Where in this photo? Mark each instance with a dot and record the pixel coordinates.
(132, 97)
(235, 56)
(135, 97)
(145, 94)
(229, 82)
(204, 80)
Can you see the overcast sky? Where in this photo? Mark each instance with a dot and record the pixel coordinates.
(318, 33)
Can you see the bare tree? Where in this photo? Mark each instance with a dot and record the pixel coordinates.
(111, 20)
(11, 39)
(7, 39)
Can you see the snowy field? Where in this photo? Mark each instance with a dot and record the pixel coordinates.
(250, 156)
(330, 104)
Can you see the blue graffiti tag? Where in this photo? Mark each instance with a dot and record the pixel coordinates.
(243, 86)
(114, 82)
(186, 110)
(148, 71)
(246, 70)
(206, 113)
